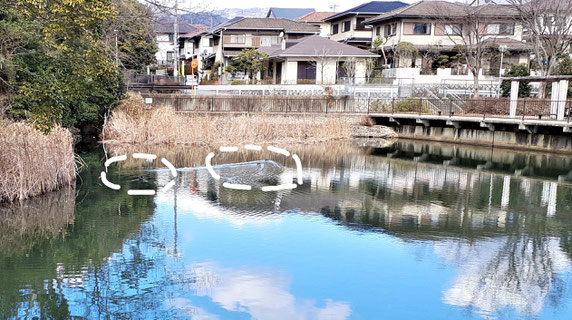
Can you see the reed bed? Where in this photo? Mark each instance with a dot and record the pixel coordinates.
(134, 124)
(33, 163)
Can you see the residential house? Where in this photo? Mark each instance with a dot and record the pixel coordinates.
(349, 27)
(316, 60)
(288, 13)
(225, 41)
(203, 44)
(165, 37)
(317, 19)
(439, 30)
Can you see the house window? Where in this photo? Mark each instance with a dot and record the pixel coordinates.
(453, 29)
(422, 28)
(500, 28)
(378, 31)
(347, 26)
(335, 28)
(359, 24)
(215, 41)
(171, 37)
(390, 29)
(211, 42)
(170, 56)
(237, 38)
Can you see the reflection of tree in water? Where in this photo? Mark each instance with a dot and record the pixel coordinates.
(35, 277)
(506, 234)
(518, 271)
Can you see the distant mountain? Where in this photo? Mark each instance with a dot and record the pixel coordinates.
(247, 13)
(215, 17)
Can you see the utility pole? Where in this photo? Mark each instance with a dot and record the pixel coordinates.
(116, 49)
(176, 41)
(333, 7)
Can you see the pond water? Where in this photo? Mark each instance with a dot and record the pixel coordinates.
(403, 230)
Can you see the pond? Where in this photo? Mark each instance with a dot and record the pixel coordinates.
(404, 230)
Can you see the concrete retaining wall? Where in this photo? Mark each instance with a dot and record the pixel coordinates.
(519, 140)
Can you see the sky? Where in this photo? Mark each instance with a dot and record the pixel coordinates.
(319, 5)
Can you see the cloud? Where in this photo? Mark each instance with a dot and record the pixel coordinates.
(266, 295)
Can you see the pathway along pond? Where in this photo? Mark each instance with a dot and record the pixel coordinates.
(405, 231)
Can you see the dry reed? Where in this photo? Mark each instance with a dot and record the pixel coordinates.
(132, 123)
(33, 163)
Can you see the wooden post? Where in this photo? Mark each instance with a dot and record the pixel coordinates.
(514, 86)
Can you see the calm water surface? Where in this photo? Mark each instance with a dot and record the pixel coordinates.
(400, 231)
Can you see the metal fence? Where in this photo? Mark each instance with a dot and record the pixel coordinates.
(132, 78)
(540, 109)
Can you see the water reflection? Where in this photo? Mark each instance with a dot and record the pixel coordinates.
(403, 230)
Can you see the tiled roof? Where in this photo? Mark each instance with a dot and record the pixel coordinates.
(315, 16)
(444, 9)
(286, 25)
(316, 46)
(511, 44)
(288, 13)
(371, 7)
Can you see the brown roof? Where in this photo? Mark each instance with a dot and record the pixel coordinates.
(285, 25)
(511, 44)
(315, 16)
(444, 9)
(316, 46)
(200, 29)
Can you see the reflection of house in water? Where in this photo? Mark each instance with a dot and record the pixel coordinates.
(484, 213)
(407, 186)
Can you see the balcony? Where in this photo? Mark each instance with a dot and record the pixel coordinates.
(248, 41)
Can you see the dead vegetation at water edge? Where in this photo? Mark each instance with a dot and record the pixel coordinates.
(33, 163)
(135, 123)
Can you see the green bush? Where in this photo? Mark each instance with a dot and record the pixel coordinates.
(520, 70)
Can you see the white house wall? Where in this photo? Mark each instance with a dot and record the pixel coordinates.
(163, 45)
(329, 72)
(432, 38)
(290, 72)
(353, 33)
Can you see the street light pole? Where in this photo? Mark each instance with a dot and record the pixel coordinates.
(502, 49)
(176, 40)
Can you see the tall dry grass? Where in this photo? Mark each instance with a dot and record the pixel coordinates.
(32, 163)
(135, 123)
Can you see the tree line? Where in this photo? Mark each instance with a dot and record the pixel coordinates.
(61, 62)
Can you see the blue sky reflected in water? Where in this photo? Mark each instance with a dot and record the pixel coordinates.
(366, 237)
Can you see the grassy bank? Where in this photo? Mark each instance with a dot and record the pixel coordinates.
(33, 163)
(135, 123)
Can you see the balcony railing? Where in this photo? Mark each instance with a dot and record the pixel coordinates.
(249, 41)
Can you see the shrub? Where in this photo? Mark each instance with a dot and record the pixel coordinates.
(520, 70)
